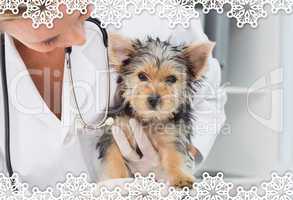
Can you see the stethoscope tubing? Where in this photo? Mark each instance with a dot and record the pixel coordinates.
(6, 107)
(105, 121)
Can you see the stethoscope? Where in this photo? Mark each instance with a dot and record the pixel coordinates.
(105, 121)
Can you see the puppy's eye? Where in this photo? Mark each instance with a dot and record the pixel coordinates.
(142, 76)
(171, 79)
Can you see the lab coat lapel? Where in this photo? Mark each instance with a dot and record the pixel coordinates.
(24, 96)
(90, 78)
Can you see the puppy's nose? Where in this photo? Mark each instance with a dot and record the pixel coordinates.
(154, 100)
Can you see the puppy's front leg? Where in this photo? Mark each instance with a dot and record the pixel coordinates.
(173, 161)
(114, 163)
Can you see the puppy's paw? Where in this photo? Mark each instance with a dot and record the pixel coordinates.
(182, 181)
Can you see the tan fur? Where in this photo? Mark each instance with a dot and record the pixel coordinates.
(169, 93)
(198, 53)
(115, 164)
(171, 160)
(119, 49)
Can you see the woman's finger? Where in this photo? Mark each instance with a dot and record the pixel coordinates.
(123, 144)
(142, 139)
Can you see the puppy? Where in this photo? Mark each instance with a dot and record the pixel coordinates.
(156, 86)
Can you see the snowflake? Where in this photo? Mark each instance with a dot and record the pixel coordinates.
(43, 12)
(212, 5)
(15, 191)
(111, 12)
(11, 5)
(178, 194)
(80, 5)
(247, 195)
(247, 11)
(76, 188)
(111, 195)
(42, 195)
(278, 5)
(148, 5)
(178, 12)
(144, 188)
(279, 188)
(213, 188)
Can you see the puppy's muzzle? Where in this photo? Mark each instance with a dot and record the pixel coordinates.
(154, 100)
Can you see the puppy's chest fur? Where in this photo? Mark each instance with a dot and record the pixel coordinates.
(177, 129)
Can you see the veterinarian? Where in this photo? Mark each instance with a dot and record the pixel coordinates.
(46, 139)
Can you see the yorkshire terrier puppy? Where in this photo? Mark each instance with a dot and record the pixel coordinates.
(156, 85)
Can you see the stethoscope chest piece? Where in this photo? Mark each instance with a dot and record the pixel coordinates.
(109, 121)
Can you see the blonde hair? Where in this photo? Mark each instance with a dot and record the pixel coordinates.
(9, 15)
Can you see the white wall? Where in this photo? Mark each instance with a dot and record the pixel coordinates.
(253, 147)
(287, 63)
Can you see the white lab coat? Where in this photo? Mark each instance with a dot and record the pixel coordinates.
(44, 149)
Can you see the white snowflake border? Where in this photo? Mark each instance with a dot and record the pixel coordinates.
(146, 188)
(177, 12)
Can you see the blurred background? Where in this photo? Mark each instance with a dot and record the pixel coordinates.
(257, 71)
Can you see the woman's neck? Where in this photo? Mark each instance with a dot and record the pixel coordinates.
(38, 60)
(46, 70)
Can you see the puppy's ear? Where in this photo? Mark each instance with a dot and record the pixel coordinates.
(198, 54)
(120, 49)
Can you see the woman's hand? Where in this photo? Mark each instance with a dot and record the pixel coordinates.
(149, 162)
